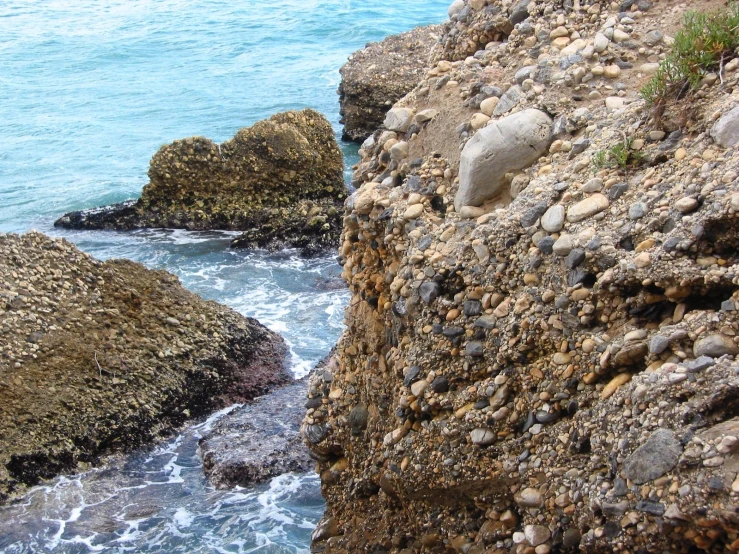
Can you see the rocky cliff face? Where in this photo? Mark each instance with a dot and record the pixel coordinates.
(280, 181)
(99, 358)
(381, 74)
(548, 364)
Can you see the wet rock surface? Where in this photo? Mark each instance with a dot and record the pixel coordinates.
(379, 75)
(586, 404)
(258, 441)
(280, 181)
(98, 358)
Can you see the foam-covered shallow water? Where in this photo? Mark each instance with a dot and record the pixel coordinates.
(89, 90)
(158, 501)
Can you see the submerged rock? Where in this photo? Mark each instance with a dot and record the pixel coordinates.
(258, 441)
(280, 181)
(120, 356)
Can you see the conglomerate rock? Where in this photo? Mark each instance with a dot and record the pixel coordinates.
(280, 181)
(555, 372)
(379, 75)
(98, 358)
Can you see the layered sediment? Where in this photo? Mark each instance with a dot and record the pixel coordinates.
(540, 353)
(280, 181)
(98, 358)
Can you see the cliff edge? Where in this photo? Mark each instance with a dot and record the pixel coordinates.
(541, 344)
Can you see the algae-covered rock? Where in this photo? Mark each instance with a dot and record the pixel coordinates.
(280, 181)
(258, 441)
(100, 358)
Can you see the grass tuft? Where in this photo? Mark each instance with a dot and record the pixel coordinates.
(621, 155)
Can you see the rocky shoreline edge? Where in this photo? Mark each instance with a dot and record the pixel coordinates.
(280, 182)
(100, 358)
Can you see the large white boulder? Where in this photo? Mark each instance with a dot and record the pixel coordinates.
(455, 8)
(726, 130)
(510, 144)
(399, 119)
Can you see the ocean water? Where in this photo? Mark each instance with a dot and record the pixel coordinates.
(89, 90)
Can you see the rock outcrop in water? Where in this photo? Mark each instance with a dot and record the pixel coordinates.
(280, 181)
(553, 370)
(258, 441)
(102, 357)
(379, 75)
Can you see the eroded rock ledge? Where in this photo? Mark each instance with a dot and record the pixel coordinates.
(379, 75)
(550, 365)
(99, 358)
(280, 181)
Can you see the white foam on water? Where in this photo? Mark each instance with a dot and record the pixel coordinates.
(183, 519)
(131, 534)
(203, 428)
(87, 541)
(173, 471)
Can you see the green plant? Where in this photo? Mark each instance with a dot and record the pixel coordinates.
(600, 159)
(705, 43)
(620, 155)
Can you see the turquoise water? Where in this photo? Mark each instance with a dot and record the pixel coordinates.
(89, 90)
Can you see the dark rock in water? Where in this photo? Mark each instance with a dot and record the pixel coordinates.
(280, 181)
(330, 283)
(258, 441)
